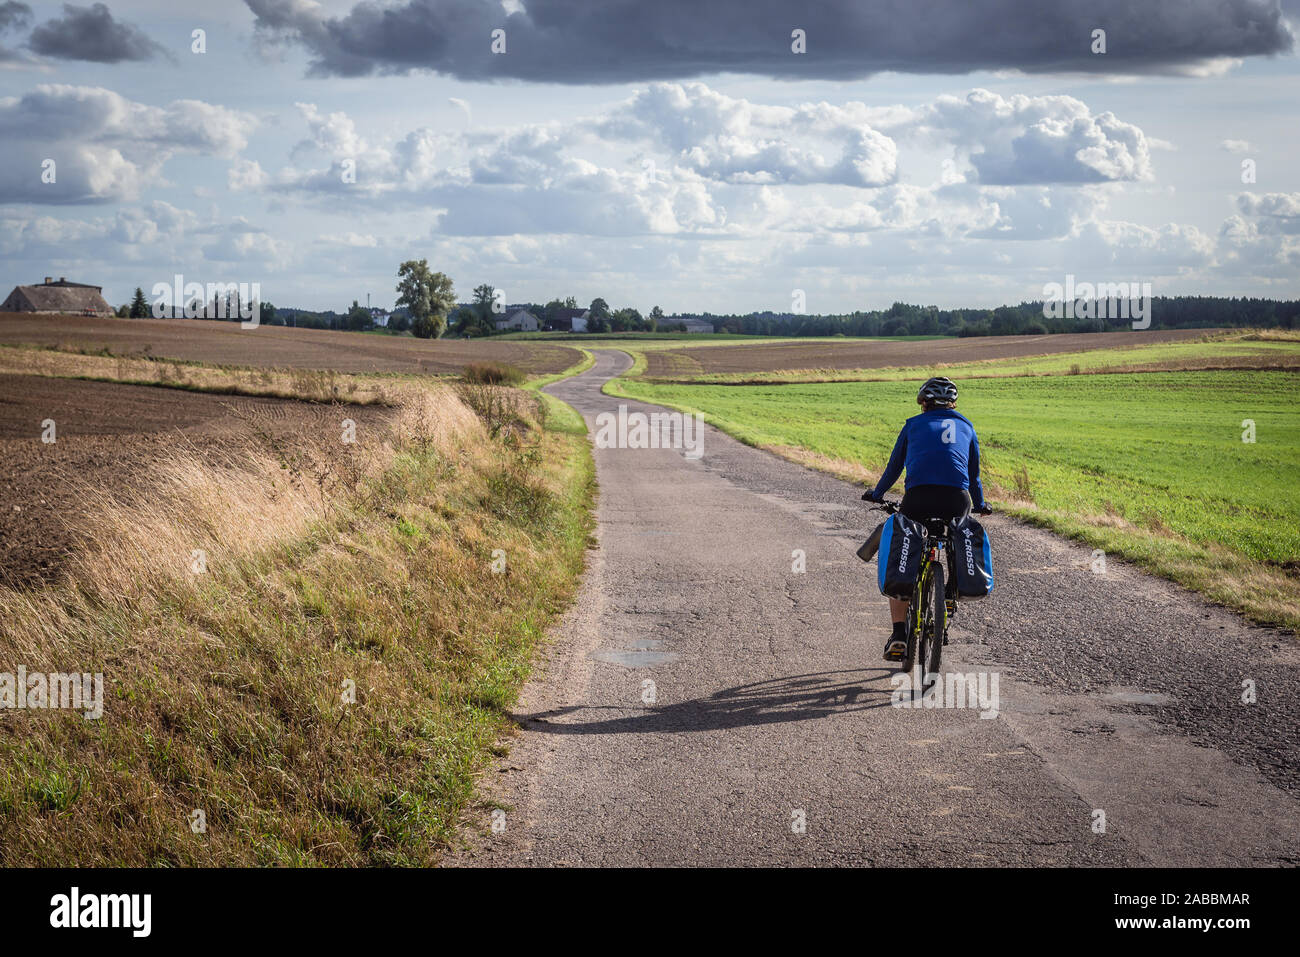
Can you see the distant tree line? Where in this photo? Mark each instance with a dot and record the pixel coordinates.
(427, 308)
(222, 308)
(905, 319)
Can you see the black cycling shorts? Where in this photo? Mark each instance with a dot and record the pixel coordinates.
(921, 502)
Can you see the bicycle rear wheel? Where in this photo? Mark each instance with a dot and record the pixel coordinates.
(939, 622)
(913, 630)
(915, 626)
(918, 639)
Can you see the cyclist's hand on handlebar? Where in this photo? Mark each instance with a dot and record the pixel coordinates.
(882, 505)
(984, 510)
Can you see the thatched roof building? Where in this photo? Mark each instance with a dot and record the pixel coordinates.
(62, 297)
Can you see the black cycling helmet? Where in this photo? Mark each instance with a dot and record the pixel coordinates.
(938, 389)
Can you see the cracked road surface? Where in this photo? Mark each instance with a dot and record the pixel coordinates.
(770, 738)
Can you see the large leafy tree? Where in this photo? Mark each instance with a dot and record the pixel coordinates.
(428, 296)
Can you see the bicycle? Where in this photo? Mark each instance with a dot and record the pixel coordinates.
(934, 598)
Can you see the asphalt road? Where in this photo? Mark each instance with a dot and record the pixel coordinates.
(768, 737)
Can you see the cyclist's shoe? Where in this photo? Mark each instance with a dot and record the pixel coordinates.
(896, 645)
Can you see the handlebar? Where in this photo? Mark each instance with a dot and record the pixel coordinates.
(889, 508)
(886, 506)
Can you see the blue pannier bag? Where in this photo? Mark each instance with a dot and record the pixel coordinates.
(902, 542)
(972, 557)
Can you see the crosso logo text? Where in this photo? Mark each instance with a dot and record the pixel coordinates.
(977, 691)
(57, 690)
(215, 300)
(656, 430)
(903, 552)
(134, 911)
(1106, 300)
(968, 548)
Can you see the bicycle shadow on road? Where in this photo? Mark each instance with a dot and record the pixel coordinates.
(795, 698)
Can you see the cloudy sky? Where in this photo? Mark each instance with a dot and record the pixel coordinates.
(699, 156)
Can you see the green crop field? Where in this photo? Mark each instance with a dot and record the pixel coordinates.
(1151, 466)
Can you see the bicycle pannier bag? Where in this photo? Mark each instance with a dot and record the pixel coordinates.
(902, 542)
(972, 557)
(871, 545)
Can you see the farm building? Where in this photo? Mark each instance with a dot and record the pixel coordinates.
(58, 298)
(569, 319)
(521, 319)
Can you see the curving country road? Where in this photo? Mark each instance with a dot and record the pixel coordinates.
(770, 737)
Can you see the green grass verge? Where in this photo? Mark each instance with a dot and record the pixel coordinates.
(559, 415)
(537, 382)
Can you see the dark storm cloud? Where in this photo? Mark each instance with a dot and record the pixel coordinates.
(576, 41)
(13, 15)
(91, 33)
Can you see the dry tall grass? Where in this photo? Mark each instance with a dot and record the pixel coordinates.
(248, 503)
(310, 384)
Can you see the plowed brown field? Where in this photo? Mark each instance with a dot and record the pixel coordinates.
(225, 343)
(880, 354)
(107, 438)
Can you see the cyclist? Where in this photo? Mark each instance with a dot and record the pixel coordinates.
(941, 453)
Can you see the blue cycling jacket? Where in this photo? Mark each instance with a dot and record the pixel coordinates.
(938, 447)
